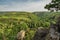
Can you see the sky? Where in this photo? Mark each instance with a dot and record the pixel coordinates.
(23, 5)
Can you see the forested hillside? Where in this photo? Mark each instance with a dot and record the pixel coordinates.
(47, 17)
(12, 22)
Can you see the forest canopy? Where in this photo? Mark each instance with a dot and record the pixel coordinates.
(12, 22)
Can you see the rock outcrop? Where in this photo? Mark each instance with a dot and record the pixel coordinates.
(40, 34)
(21, 35)
(52, 34)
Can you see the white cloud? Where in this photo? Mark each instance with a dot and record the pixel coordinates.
(29, 6)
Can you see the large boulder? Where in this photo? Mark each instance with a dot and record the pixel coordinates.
(40, 34)
(21, 35)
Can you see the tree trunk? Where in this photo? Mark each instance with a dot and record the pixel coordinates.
(3, 36)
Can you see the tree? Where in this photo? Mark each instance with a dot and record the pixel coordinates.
(54, 5)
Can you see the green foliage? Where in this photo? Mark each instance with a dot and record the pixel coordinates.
(54, 4)
(30, 35)
(12, 22)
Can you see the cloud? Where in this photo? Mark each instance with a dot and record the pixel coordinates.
(25, 6)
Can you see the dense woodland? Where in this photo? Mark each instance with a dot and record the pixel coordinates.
(12, 22)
